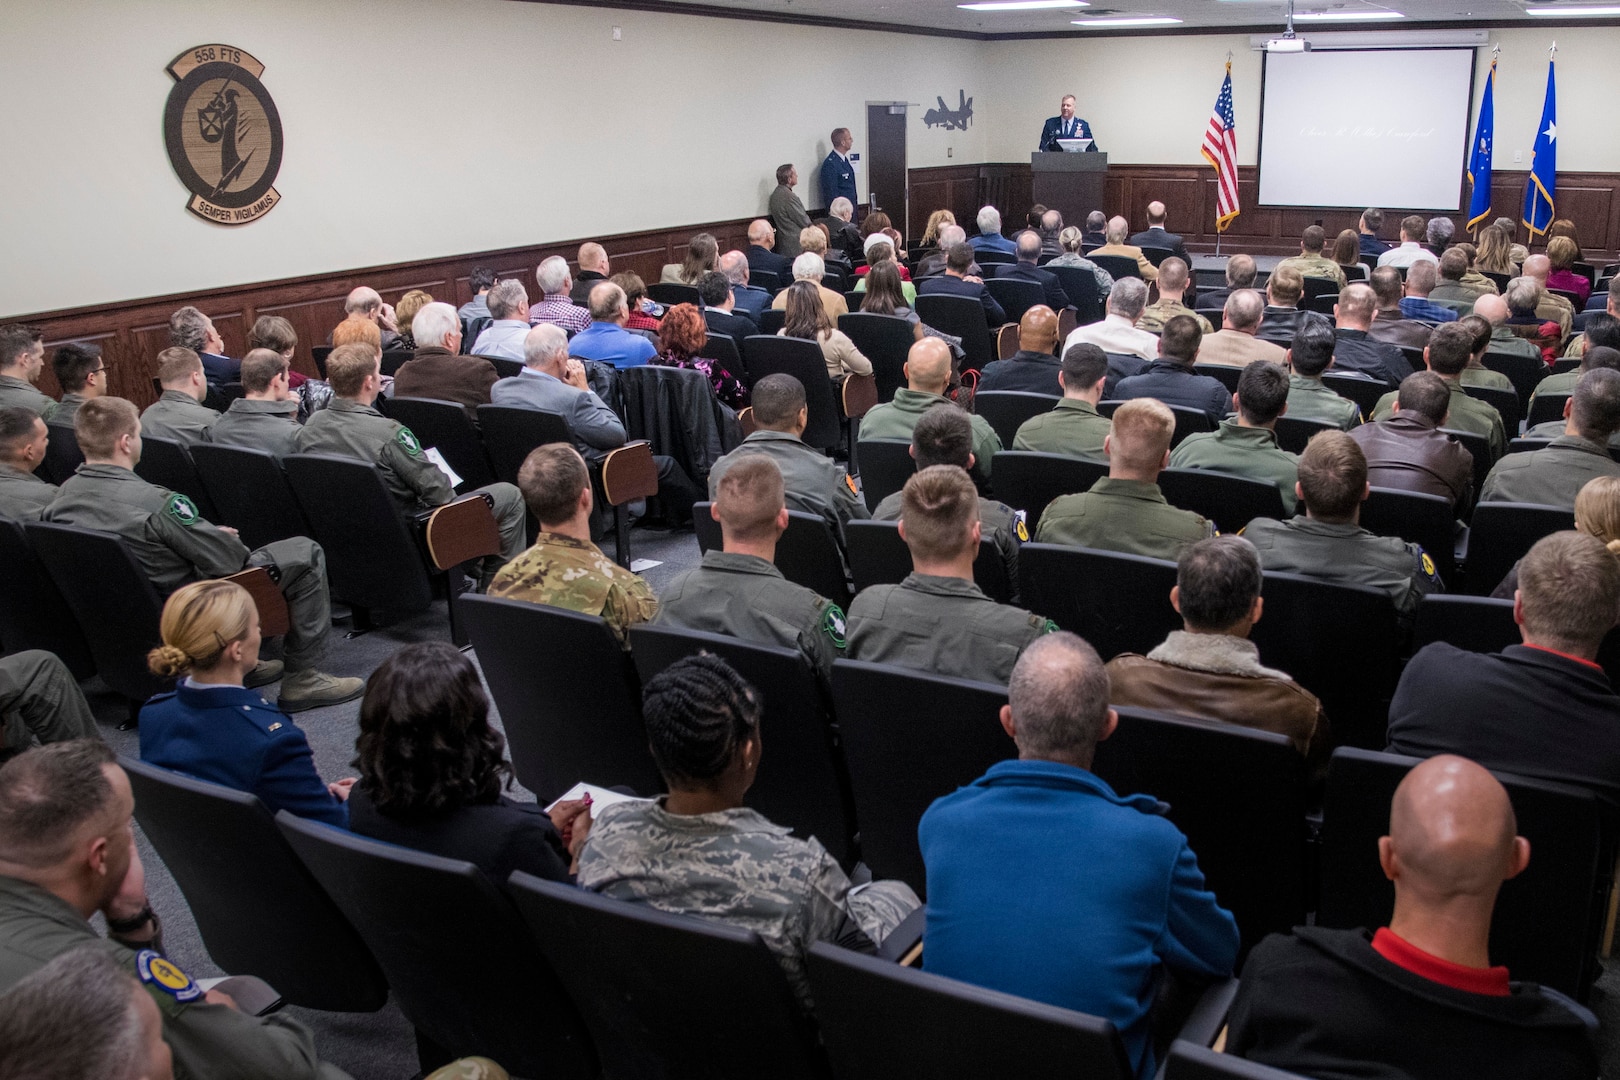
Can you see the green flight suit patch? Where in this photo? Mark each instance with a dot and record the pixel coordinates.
(832, 624)
(407, 439)
(182, 509)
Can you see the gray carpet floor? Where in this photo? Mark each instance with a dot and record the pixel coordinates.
(380, 1046)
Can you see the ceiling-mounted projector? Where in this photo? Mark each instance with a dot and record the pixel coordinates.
(1288, 45)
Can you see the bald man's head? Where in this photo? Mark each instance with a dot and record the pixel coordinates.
(1155, 213)
(1452, 837)
(1538, 267)
(1492, 308)
(1038, 330)
(928, 366)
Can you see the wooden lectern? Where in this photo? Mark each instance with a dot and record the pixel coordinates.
(1072, 184)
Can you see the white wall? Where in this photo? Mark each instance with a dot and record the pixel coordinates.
(421, 128)
(1148, 99)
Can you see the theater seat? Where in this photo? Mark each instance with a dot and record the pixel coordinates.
(808, 553)
(1119, 603)
(33, 614)
(1006, 410)
(250, 491)
(1028, 481)
(886, 465)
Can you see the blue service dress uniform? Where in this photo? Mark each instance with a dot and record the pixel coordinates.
(231, 736)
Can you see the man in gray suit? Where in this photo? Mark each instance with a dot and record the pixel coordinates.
(787, 212)
(553, 382)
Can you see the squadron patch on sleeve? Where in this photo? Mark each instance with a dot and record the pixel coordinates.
(182, 509)
(832, 624)
(154, 970)
(407, 439)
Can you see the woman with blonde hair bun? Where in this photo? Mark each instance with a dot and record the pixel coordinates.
(211, 726)
(1597, 513)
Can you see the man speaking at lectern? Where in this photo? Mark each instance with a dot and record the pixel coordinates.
(1065, 126)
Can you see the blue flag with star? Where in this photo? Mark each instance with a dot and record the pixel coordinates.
(1543, 185)
(1479, 162)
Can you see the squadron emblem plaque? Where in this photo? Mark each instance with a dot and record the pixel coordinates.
(223, 134)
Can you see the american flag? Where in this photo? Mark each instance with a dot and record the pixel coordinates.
(1220, 150)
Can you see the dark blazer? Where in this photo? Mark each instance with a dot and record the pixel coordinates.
(837, 178)
(737, 326)
(220, 369)
(1056, 298)
(1322, 1002)
(764, 259)
(435, 372)
(1052, 130)
(955, 286)
(1093, 239)
(1031, 372)
(1176, 385)
(1155, 236)
(1522, 710)
(1278, 324)
(750, 301)
(584, 282)
(843, 236)
(1357, 351)
(497, 837)
(231, 736)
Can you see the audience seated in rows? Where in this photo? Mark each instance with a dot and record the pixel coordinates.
(1027, 892)
(1355, 350)
(1597, 513)
(737, 590)
(1155, 235)
(1071, 241)
(1476, 373)
(700, 851)
(816, 239)
(1235, 344)
(265, 417)
(761, 253)
(1210, 668)
(1174, 281)
(606, 340)
(1408, 451)
(810, 267)
(552, 381)
(1451, 286)
(83, 1015)
(439, 370)
(1549, 307)
(933, 264)
(1328, 542)
(1072, 426)
(1119, 246)
(1118, 333)
(23, 441)
(1310, 262)
(750, 299)
(1096, 229)
(945, 437)
(683, 335)
(433, 771)
(1420, 996)
(1284, 290)
(174, 545)
(1125, 511)
(885, 295)
(352, 427)
(813, 482)
(22, 359)
(1493, 310)
(67, 851)
(643, 313)
(191, 329)
(1309, 355)
(807, 318)
(1600, 353)
(81, 372)
(212, 726)
(1032, 369)
(702, 255)
(556, 306)
(720, 312)
(1171, 378)
(937, 619)
(1552, 476)
(989, 236)
(958, 281)
(1447, 354)
(1390, 324)
(1420, 280)
(1027, 247)
(564, 569)
(1246, 444)
(928, 374)
(509, 308)
(1411, 249)
(1240, 274)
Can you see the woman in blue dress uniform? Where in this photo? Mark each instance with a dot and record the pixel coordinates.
(211, 727)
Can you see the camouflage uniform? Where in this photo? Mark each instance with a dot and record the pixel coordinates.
(896, 419)
(1129, 516)
(737, 867)
(999, 523)
(20, 393)
(1155, 315)
(1241, 451)
(1467, 414)
(40, 703)
(1310, 399)
(1347, 554)
(23, 495)
(561, 571)
(942, 625)
(178, 416)
(1072, 426)
(1317, 266)
(350, 429)
(743, 596)
(810, 480)
(175, 546)
(66, 410)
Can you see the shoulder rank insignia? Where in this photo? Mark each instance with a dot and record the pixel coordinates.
(182, 509)
(407, 439)
(832, 624)
(154, 970)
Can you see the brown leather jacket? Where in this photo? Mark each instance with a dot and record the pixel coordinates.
(1409, 452)
(1219, 677)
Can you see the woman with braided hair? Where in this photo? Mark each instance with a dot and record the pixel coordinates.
(699, 851)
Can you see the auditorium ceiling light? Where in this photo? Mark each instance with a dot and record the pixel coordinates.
(1147, 20)
(1562, 11)
(1023, 5)
(1347, 16)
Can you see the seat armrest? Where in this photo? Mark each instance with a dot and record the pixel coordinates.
(904, 943)
(273, 618)
(460, 530)
(1006, 341)
(860, 395)
(1208, 1016)
(629, 473)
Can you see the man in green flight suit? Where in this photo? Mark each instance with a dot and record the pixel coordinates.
(1246, 444)
(175, 546)
(937, 619)
(1072, 426)
(928, 373)
(738, 591)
